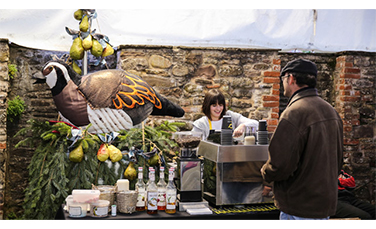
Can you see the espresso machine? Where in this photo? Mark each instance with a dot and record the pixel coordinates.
(232, 172)
(189, 167)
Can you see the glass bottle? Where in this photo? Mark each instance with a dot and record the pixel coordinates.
(146, 188)
(140, 187)
(170, 193)
(161, 185)
(152, 193)
(147, 183)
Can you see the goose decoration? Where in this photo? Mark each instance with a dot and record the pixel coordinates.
(111, 100)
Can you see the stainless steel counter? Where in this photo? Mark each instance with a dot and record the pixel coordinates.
(232, 153)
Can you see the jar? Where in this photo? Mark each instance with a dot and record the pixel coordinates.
(99, 209)
(76, 210)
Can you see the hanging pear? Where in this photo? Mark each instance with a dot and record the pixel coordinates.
(107, 51)
(115, 153)
(87, 43)
(76, 68)
(130, 173)
(96, 48)
(78, 15)
(77, 51)
(103, 153)
(77, 154)
(84, 25)
(152, 161)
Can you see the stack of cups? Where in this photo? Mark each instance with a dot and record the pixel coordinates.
(226, 132)
(262, 134)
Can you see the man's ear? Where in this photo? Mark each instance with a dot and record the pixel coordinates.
(291, 80)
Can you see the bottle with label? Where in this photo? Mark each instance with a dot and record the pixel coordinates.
(170, 193)
(140, 187)
(152, 194)
(161, 185)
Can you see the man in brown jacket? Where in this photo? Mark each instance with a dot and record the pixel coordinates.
(305, 152)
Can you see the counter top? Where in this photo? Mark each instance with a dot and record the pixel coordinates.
(256, 211)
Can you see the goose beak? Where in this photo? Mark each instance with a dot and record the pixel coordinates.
(39, 78)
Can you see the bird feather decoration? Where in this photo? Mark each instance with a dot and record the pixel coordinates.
(110, 100)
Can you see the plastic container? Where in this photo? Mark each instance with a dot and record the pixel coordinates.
(85, 195)
(99, 209)
(67, 201)
(76, 210)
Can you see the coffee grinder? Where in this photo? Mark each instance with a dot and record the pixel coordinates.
(189, 167)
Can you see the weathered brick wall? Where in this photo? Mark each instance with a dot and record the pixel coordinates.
(355, 98)
(4, 88)
(39, 105)
(249, 79)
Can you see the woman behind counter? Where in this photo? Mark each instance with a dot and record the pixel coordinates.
(214, 108)
(251, 189)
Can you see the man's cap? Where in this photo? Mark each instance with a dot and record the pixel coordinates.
(301, 66)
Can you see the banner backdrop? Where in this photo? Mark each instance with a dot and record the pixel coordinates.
(289, 30)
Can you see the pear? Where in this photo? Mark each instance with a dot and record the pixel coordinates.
(115, 153)
(77, 51)
(87, 43)
(96, 48)
(152, 161)
(130, 173)
(77, 154)
(103, 153)
(78, 15)
(84, 25)
(76, 68)
(107, 51)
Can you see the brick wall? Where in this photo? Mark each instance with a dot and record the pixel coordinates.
(4, 88)
(248, 78)
(355, 101)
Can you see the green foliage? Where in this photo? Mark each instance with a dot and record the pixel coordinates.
(47, 187)
(15, 108)
(12, 70)
(52, 176)
(12, 215)
(158, 137)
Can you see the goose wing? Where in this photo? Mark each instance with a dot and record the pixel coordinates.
(117, 89)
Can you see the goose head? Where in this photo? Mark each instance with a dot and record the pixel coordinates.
(57, 74)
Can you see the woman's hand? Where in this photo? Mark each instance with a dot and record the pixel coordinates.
(239, 131)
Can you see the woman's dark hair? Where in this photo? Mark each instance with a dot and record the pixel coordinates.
(304, 79)
(213, 97)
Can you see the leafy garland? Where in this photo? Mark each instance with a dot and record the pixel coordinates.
(52, 176)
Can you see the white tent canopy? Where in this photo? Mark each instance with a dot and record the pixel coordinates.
(286, 29)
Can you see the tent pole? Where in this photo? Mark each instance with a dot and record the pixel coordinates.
(84, 63)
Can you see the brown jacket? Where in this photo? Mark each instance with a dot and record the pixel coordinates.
(305, 157)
